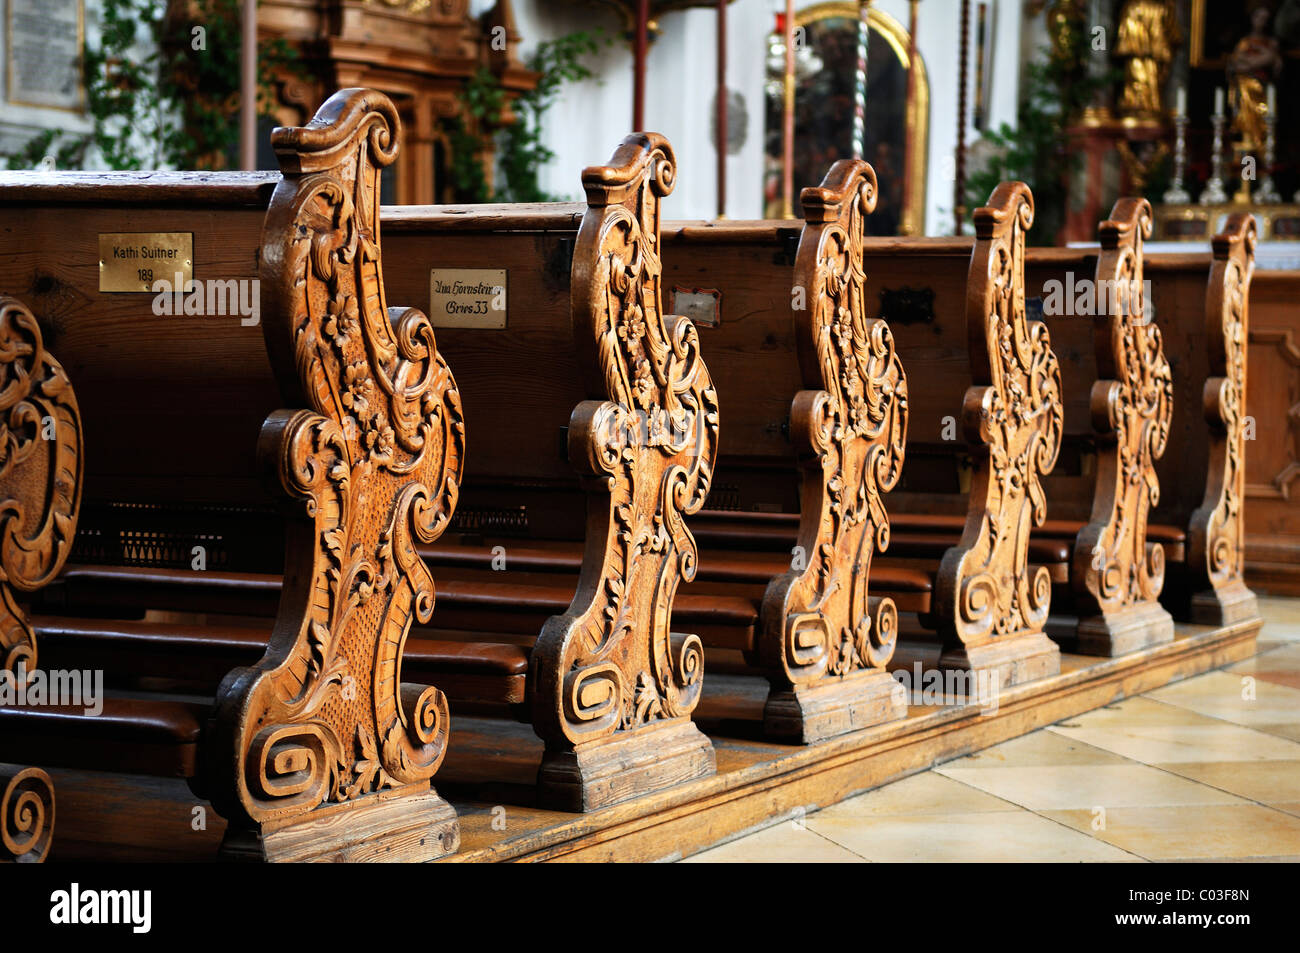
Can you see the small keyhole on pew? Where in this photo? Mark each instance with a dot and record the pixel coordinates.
(782, 427)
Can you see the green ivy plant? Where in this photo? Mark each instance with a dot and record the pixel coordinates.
(521, 148)
(1036, 150)
(174, 106)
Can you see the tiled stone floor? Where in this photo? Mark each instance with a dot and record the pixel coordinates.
(1203, 769)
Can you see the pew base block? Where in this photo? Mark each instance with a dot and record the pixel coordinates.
(623, 766)
(1133, 628)
(1227, 605)
(409, 825)
(807, 714)
(1010, 660)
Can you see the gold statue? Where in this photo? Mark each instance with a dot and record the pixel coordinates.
(1254, 62)
(1148, 35)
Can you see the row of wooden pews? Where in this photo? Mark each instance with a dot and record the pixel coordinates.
(261, 509)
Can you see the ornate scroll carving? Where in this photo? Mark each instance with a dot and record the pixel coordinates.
(1217, 527)
(40, 474)
(825, 641)
(992, 604)
(613, 689)
(26, 815)
(1117, 574)
(373, 456)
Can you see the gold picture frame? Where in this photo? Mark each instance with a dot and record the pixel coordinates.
(917, 119)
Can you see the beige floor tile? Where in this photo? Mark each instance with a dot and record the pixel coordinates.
(1237, 697)
(1290, 807)
(1086, 786)
(1223, 830)
(1279, 666)
(1268, 782)
(1280, 610)
(1150, 731)
(782, 844)
(1041, 747)
(926, 793)
(994, 836)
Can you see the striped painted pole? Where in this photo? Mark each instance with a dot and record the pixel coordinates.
(860, 83)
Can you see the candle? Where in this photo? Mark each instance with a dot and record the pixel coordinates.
(1272, 99)
(1181, 99)
(1218, 101)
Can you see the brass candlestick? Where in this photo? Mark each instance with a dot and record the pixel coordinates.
(1267, 192)
(1214, 194)
(1176, 194)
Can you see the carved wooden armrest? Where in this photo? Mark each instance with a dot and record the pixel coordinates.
(40, 486)
(318, 751)
(1117, 574)
(1216, 529)
(612, 686)
(825, 641)
(991, 604)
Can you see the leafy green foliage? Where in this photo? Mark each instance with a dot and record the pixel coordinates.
(521, 147)
(1036, 150)
(176, 105)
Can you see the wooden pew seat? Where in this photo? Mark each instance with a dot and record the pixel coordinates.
(133, 735)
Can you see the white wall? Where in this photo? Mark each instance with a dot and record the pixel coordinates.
(592, 117)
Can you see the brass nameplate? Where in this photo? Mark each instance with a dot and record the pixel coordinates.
(702, 305)
(133, 261)
(467, 298)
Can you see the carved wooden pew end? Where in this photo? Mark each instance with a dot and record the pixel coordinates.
(318, 747)
(992, 603)
(26, 814)
(613, 688)
(1216, 533)
(826, 642)
(1117, 573)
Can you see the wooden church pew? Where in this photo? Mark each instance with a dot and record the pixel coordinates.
(741, 263)
(175, 404)
(579, 775)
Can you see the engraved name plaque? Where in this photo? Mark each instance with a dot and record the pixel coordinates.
(133, 261)
(467, 298)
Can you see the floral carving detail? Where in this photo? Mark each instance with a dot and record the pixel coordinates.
(1013, 419)
(375, 455)
(1132, 408)
(646, 443)
(40, 474)
(851, 434)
